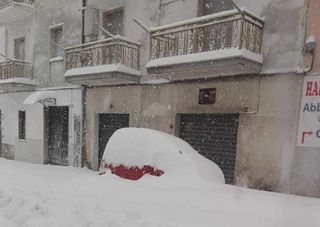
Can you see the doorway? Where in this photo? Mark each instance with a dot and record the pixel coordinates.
(57, 133)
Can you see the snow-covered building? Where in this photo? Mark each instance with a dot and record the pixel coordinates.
(41, 114)
(305, 172)
(225, 77)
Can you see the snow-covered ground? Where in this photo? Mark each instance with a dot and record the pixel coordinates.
(35, 195)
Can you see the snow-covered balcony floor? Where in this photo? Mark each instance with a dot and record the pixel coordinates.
(17, 84)
(104, 62)
(222, 44)
(14, 10)
(16, 76)
(102, 75)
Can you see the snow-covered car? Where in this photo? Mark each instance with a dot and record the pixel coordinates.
(132, 153)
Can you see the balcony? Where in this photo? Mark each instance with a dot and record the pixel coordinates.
(16, 75)
(14, 10)
(223, 44)
(104, 62)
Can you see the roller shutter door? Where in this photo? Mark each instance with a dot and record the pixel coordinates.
(108, 124)
(214, 136)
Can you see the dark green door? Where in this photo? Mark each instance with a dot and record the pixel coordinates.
(58, 122)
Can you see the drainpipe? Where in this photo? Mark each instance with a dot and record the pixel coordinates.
(312, 52)
(84, 4)
(84, 161)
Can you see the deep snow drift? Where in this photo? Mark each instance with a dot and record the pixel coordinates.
(140, 147)
(35, 195)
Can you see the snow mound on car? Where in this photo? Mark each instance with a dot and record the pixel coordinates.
(140, 147)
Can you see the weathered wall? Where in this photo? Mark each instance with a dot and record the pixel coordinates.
(283, 38)
(305, 172)
(156, 106)
(10, 104)
(267, 135)
(36, 29)
(17, 30)
(265, 140)
(32, 148)
(47, 14)
(14, 30)
(313, 28)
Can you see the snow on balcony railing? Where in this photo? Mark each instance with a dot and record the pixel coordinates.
(6, 3)
(222, 31)
(111, 51)
(15, 69)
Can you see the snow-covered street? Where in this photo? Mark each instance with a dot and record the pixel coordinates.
(35, 195)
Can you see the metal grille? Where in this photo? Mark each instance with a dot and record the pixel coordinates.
(108, 124)
(103, 52)
(208, 33)
(215, 137)
(15, 69)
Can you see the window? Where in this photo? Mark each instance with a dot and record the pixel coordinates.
(207, 7)
(113, 21)
(19, 48)
(56, 41)
(22, 125)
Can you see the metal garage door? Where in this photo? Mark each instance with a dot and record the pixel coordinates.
(214, 136)
(108, 124)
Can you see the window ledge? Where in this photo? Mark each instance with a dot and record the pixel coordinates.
(56, 59)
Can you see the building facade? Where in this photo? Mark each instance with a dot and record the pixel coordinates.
(225, 77)
(305, 169)
(41, 114)
(232, 92)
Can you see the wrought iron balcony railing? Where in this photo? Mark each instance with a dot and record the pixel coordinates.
(5, 3)
(226, 30)
(109, 51)
(15, 69)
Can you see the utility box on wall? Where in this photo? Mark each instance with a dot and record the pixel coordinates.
(207, 96)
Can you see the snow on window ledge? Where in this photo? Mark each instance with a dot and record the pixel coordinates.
(206, 56)
(19, 81)
(56, 59)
